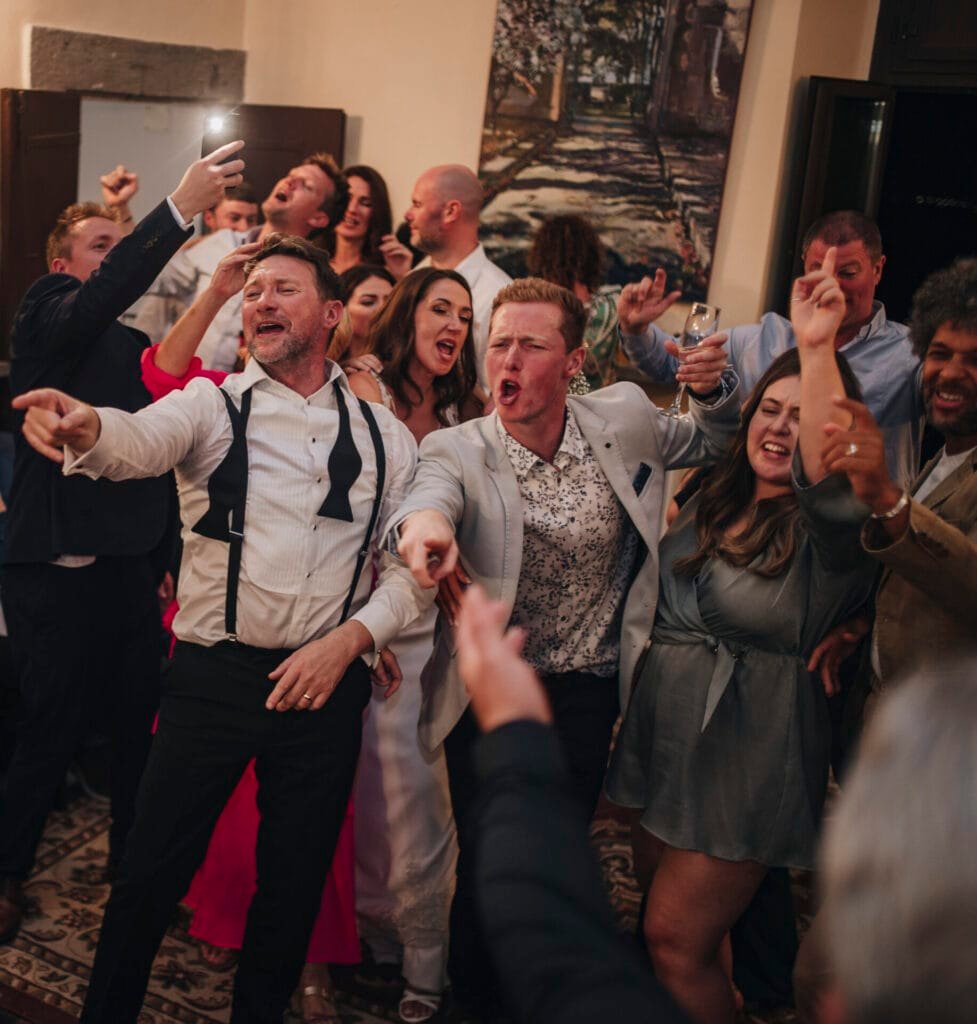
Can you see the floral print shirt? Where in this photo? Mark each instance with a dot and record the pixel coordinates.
(578, 557)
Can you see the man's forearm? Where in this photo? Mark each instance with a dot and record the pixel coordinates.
(935, 556)
(394, 604)
(136, 445)
(646, 351)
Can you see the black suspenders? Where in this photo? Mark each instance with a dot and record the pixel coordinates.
(228, 493)
(381, 458)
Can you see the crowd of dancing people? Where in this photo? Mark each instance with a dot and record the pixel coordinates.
(405, 529)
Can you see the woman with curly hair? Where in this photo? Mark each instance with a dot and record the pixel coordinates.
(567, 251)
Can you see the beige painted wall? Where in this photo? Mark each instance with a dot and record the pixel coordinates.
(789, 40)
(410, 74)
(217, 23)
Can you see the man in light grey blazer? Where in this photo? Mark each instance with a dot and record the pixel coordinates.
(553, 505)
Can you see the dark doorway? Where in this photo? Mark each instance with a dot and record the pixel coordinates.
(902, 156)
(928, 204)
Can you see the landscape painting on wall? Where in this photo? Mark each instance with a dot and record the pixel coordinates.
(618, 110)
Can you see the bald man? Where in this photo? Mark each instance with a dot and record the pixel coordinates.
(443, 219)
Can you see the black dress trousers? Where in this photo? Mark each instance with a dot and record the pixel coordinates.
(86, 641)
(212, 722)
(585, 707)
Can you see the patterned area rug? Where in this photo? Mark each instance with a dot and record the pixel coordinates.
(45, 970)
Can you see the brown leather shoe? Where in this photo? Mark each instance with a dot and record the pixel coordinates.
(11, 908)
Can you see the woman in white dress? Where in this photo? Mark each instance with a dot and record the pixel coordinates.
(405, 837)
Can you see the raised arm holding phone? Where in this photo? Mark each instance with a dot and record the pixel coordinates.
(80, 580)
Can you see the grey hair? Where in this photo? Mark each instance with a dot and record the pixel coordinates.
(900, 872)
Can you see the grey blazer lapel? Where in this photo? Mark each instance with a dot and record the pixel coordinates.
(606, 446)
(499, 471)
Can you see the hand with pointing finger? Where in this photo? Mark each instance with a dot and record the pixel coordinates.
(641, 303)
(54, 420)
(427, 546)
(204, 181)
(817, 305)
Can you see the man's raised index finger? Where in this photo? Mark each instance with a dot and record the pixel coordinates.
(828, 265)
(226, 150)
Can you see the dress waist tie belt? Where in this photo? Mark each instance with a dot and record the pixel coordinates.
(727, 654)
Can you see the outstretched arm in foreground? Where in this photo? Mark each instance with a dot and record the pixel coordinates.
(540, 896)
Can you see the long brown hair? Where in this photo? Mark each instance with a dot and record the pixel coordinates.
(392, 342)
(771, 534)
(381, 217)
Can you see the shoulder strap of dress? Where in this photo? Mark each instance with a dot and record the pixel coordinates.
(386, 396)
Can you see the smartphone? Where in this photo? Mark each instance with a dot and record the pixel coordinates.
(219, 127)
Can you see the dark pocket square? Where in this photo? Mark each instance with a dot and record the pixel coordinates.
(641, 477)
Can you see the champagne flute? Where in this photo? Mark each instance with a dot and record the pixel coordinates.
(702, 321)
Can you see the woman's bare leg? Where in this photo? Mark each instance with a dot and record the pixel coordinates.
(693, 902)
(646, 851)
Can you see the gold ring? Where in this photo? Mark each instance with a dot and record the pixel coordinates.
(306, 696)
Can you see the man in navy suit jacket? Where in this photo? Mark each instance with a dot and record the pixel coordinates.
(79, 583)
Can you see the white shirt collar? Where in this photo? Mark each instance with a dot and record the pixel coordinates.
(523, 460)
(254, 373)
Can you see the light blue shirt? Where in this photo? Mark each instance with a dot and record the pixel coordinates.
(880, 356)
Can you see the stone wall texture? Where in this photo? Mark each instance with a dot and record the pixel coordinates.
(64, 60)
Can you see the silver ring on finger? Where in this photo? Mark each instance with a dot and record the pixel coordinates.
(852, 448)
(307, 696)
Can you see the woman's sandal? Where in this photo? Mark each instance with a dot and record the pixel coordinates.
(314, 1004)
(217, 958)
(417, 1006)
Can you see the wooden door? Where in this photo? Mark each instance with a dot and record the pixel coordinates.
(39, 143)
(839, 147)
(38, 178)
(926, 43)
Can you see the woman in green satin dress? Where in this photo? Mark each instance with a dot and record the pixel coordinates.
(724, 748)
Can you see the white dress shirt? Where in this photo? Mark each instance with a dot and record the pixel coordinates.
(485, 280)
(296, 566)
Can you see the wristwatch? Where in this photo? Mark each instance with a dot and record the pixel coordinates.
(895, 510)
(393, 539)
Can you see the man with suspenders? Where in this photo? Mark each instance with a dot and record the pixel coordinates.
(283, 476)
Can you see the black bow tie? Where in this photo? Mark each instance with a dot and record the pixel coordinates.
(228, 482)
(344, 466)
